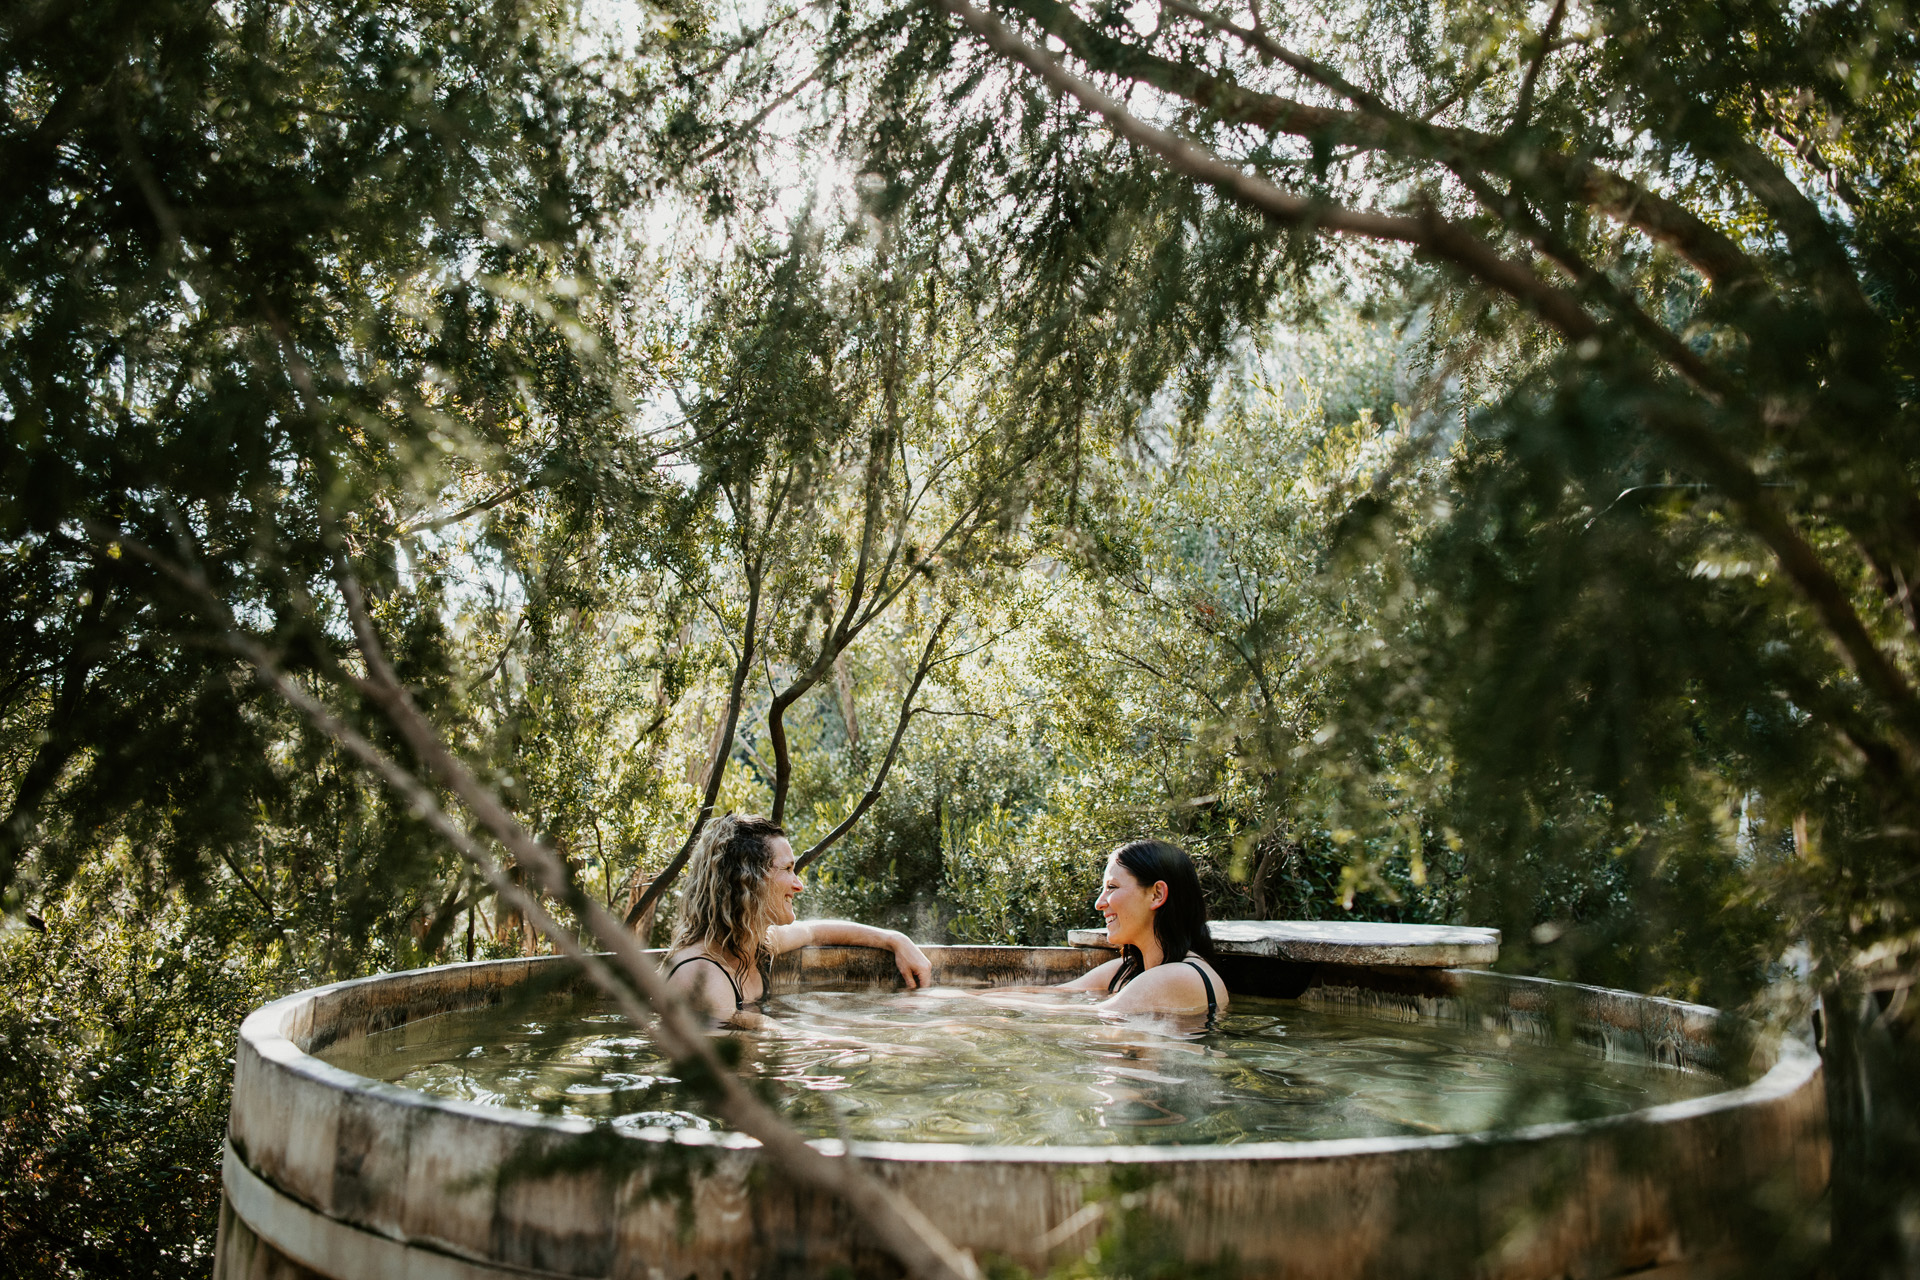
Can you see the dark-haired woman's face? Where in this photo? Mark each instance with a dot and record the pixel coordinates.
(1128, 905)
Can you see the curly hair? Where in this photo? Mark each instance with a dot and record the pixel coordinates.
(724, 907)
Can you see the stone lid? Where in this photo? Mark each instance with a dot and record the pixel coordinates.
(1437, 946)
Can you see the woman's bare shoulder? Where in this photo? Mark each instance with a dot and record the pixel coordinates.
(705, 984)
(1170, 988)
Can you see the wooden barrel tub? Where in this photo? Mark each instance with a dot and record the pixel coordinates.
(329, 1174)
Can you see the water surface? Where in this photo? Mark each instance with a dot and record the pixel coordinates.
(957, 1066)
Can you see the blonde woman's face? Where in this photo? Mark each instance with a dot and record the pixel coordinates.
(783, 883)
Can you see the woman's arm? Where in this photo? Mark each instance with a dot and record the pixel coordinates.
(912, 961)
(1094, 979)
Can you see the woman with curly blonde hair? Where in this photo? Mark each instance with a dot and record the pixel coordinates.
(736, 915)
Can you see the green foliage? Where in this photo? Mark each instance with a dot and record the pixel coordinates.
(116, 1042)
(1010, 490)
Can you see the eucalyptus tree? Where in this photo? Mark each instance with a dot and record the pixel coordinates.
(291, 284)
(1664, 629)
(306, 294)
(869, 475)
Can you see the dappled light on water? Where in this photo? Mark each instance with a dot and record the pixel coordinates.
(954, 1066)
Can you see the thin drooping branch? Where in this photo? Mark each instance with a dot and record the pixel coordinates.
(1723, 263)
(759, 117)
(907, 709)
(1794, 135)
(717, 767)
(433, 523)
(1430, 233)
(754, 552)
(833, 51)
(901, 1228)
(273, 917)
(1523, 106)
(1511, 208)
(1710, 251)
(853, 618)
(506, 651)
(777, 720)
(1803, 567)
(849, 713)
(462, 896)
(1314, 70)
(1810, 237)
(1559, 309)
(838, 634)
(1665, 343)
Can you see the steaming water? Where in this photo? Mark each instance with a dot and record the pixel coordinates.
(954, 1066)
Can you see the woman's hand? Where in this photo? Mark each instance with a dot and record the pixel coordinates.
(913, 962)
(914, 966)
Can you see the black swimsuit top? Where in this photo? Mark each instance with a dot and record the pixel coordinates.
(766, 977)
(1114, 984)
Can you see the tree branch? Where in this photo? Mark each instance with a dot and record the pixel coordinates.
(626, 974)
(777, 721)
(1710, 251)
(1523, 107)
(717, 770)
(472, 509)
(506, 649)
(1803, 567)
(273, 918)
(1555, 306)
(1430, 232)
(926, 664)
(734, 135)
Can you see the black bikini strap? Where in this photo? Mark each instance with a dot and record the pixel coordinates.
(1213, 1006)
(739, 1003)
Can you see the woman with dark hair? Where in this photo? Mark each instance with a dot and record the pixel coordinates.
(1157, 917)
(737, 915)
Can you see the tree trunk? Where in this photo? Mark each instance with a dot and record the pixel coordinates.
(1871, 1051)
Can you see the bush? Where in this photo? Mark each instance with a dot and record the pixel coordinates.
(116, 1067)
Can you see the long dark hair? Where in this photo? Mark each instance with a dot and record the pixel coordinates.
(1180, 925)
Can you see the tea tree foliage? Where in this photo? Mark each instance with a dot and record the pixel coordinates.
(1439, 461)
(289, 280)
(1658, 520)
(116, 1073)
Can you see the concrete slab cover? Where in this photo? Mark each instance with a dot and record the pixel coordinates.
(1437, 946)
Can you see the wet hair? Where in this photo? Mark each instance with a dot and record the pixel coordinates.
(725, 906)
(1180, 923)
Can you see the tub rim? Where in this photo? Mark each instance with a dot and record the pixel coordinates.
(264, 1032)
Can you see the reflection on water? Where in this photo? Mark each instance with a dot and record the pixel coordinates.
(952, 1066)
